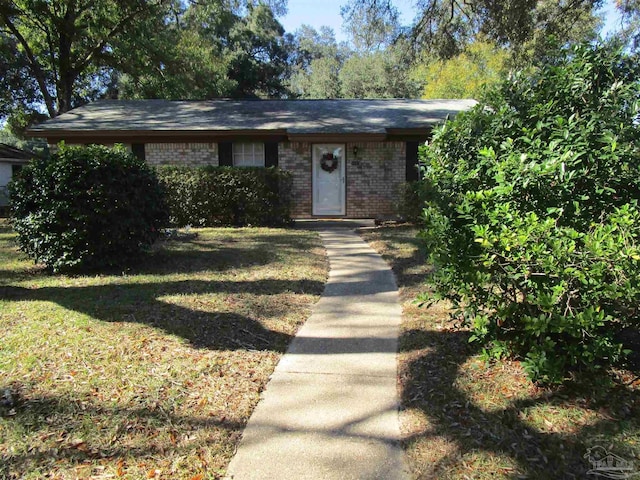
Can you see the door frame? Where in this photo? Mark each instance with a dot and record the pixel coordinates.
(342, 172)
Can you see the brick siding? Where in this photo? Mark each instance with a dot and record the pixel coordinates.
(296, 158)
(374, 178)
(190, 154)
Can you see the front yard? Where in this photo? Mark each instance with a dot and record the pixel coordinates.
(463, 418)
(153, 372)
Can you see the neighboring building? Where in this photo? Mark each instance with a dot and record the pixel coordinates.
(11, 161)
(349, 158)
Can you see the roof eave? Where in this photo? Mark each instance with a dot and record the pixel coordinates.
(214, 136)
(150, 136)
(338, 137)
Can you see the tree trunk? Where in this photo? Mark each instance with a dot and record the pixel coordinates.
(66, 75)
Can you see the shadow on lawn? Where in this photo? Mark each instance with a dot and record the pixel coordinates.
(140, 303)
(403, 265)
(455, 417)
(199, 257)
(202, 327)
(179, 256)
(139, 433)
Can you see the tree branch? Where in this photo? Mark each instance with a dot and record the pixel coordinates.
(103, 43)
(36, 68)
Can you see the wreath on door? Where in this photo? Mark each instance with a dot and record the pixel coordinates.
(329, 162)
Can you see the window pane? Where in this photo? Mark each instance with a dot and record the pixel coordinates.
(248, 154)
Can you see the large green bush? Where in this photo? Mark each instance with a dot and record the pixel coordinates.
(86, 207)
(532, 213)
(411, 202)
(214, 196)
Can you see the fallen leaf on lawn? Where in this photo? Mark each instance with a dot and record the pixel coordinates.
(120, 468)
(77, 443)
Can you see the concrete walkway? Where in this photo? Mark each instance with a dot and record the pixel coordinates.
(330, 410)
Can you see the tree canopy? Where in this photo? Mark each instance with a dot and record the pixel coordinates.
(444, 27)
(464, 76)
(323, 68)
(58, 54)
(63, 53)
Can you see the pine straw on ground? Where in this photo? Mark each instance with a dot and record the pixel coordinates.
(463, 418)
(153, 372)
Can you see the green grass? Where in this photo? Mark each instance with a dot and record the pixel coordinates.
(463, 418)
(152, 372)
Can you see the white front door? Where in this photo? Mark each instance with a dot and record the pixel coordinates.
(328, 179)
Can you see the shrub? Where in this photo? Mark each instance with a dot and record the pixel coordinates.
(532, 214)
(412, 198)
(214, 196)
(86, 207)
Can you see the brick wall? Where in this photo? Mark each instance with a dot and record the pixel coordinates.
(374, 178)
(296, 158)
(191, 154)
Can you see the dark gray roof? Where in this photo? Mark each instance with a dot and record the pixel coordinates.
(7, 152)
(292, 116)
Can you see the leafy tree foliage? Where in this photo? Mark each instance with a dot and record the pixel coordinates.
(17, 88)
(208, 50)
(555, 25)
(187, 69)
(37, 145)
(259, 55)
(533, 215)
(630, 13)
(63, 46)
(63, 53)
(444, 27)
(465, 75)
(320, 80)
(371, 28)
(86, 207)
(324, 69)
(379, 74)
(316, 63)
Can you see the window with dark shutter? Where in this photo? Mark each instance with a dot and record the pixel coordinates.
(411, 170)
(138, 150)
(271, 154)
(225, 154)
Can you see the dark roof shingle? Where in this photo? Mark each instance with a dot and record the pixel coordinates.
(292, 116)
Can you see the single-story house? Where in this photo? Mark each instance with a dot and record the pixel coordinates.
(348, 158)
(11, 161)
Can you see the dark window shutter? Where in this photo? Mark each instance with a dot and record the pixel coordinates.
(138, 150)
(225, 154)
(271, 154)
(411, 172)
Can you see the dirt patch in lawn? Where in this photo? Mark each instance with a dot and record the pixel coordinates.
(153, 372)
(463, 418)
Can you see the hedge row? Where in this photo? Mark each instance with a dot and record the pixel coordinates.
(215, 196)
